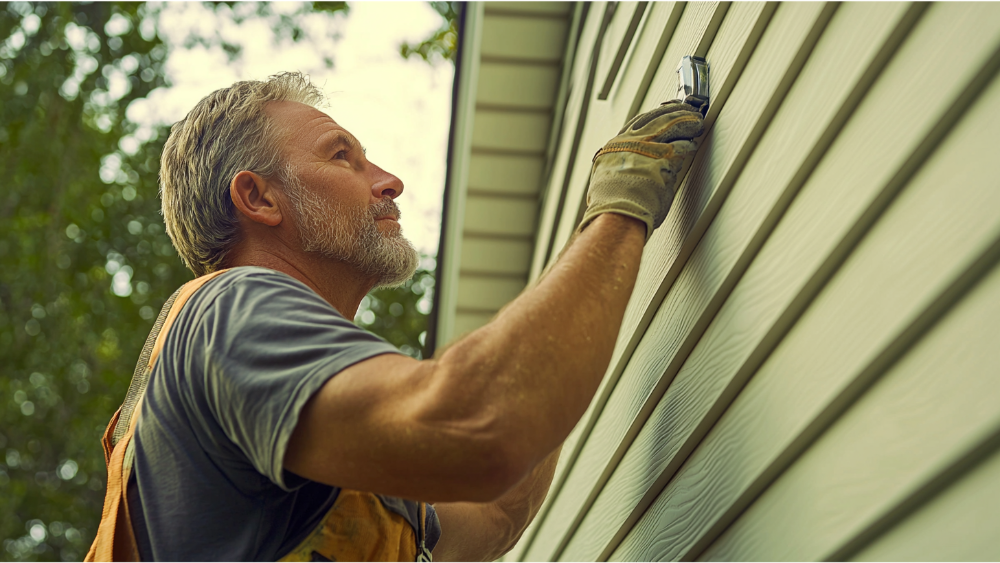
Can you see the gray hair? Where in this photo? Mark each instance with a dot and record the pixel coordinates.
(226, 132)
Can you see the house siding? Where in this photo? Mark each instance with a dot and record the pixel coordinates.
(513, 87)
(808, 367)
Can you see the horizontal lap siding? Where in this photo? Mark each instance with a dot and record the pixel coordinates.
(505, 174)
(606, 118)
(526, 38)
(567, 495)
(490, 215)
(517, 86)
(778, 308)
(935, 403)
(960, 524)
(667, 249)
(580, 84)
(668, 243)
(487, 293)
(510, 131)
(518, 78)
(857, 178)
(721, 256)
(486, 255)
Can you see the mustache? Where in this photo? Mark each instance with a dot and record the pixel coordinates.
(384, 208)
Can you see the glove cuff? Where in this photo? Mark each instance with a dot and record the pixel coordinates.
(627, 209)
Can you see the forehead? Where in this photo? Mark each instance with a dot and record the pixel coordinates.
(303, 127)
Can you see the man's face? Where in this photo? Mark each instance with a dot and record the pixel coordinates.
(343, 203)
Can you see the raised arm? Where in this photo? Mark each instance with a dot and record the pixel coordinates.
(473, 423)
(469, 425)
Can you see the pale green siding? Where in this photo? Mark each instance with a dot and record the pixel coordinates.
(809, 367)
(510, 91)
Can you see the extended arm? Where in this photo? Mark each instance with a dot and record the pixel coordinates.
(484, 532)
(470, 425)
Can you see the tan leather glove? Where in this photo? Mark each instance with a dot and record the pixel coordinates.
(635, 174)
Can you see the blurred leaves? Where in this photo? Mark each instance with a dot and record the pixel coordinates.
(443, 43)
(85, 263)
(400, 314)
(285, 20)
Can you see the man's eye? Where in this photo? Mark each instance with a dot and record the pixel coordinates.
(341, 155)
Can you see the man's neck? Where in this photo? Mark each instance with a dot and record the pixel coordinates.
(336, 282)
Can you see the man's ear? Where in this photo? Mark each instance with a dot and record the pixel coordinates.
(256, 198)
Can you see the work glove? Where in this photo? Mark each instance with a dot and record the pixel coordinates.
(635, 174)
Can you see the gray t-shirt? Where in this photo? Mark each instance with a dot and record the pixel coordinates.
(242, 358)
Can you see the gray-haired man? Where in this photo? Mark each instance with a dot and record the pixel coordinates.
(272, 427)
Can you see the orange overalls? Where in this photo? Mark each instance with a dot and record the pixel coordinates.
(358, 527)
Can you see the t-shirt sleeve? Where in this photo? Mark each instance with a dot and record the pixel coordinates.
(269, 343)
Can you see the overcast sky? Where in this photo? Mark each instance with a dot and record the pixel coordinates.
(399, 109)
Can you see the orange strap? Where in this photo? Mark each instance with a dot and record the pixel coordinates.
(115, 539)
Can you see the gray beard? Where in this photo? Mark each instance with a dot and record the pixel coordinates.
(350, 235)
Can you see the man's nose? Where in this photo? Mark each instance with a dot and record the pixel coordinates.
(385, 184)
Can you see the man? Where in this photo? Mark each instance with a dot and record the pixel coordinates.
(271, 422)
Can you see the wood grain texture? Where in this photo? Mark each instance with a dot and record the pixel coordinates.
(517, 86)
(606, 117)
(506, 173)
(641, 26)
(656, 33)
(895, 119)
(524, 38)
(603, 122)
(661, 24)
(934, 406)
(662, 261)
(737, 39)
(815, 107)
(613, 37)
(790, 34)
(657, 28)
(958, 525)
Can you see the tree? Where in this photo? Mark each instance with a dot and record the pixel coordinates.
(443, 43)
(85, 263)
(400, 314)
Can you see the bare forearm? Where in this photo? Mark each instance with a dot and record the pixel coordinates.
(486, 531)
(521, 504)
(538, 364)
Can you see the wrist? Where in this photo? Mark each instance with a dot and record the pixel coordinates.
(611, 223)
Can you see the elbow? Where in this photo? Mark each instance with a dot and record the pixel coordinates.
(512, 467)
(488, 459)
(484, 448)
(497, 465)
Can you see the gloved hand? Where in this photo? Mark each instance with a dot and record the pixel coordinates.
(635, 174)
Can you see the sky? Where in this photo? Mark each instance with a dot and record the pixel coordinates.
(399, 109)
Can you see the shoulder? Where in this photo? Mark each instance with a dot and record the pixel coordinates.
(252, 281)
(255, 291)
(249, 310)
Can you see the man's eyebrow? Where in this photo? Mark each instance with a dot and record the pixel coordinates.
(340, 137)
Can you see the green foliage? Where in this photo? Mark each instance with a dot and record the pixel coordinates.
(443, 43)
(284, 20)
(85, 264)
(84, 260)
(400, 314)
